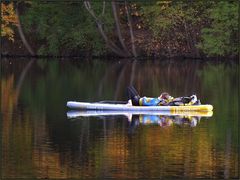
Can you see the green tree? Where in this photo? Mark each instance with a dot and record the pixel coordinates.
(221, 37)
(175, 26)
(169, 28)
(63, 28)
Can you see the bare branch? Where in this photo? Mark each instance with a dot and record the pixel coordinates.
(131, 30)
(118, 27)
(88, 7)
(103, 10)
(22, 36)
(109, 43)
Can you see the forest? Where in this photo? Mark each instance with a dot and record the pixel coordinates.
(192, 29)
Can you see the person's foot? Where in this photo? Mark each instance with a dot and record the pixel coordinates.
(129, 102)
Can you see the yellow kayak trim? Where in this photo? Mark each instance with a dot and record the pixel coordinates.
(205, 108)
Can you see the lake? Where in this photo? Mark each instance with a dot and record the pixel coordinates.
(40, 140)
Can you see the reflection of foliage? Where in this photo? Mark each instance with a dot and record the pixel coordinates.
(16, 137)
(8, 20)
(223, 93)
(53, 147)
(8, 94)
(156, 150)
(56, 81)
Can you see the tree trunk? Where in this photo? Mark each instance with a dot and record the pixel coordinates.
(109, 43)
(116, 18)
(187, 36)
(194, 41)
(191, 40)
(131, 30)
(22, 36)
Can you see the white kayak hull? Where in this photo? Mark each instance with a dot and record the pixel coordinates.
(127, 107)
(89, 113)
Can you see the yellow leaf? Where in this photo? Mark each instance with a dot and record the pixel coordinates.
(9, 19)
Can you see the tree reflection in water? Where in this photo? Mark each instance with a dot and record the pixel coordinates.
(35, 129)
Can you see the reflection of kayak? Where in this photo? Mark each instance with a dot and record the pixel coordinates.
(74, 114)
(161, 118)
(165, 121)
(127, 107)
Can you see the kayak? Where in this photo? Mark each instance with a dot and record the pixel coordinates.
(89, 113)
(129, 107)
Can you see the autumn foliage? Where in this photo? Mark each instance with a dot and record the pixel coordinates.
(8, 20)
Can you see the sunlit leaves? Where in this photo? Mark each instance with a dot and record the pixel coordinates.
(8, 20)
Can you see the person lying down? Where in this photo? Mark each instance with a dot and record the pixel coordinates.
(163, 100)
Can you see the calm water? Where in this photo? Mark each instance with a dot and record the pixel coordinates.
(40, 140)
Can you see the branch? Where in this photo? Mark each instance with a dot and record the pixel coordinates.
(109, 43)
(131, 30)
(118, 27)
(103, 10)
(22, 36)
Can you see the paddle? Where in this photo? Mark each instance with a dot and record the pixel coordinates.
(112, 102)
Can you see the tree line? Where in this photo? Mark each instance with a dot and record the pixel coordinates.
(122, 28)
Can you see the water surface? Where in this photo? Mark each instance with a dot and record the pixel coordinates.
(39, 140)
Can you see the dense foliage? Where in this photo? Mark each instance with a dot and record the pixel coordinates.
(159, 28)
(221, 37)
(176, 26)
(63, 27)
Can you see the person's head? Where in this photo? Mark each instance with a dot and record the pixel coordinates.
(164, 95)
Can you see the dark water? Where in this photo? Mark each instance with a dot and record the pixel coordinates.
(40, 141)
